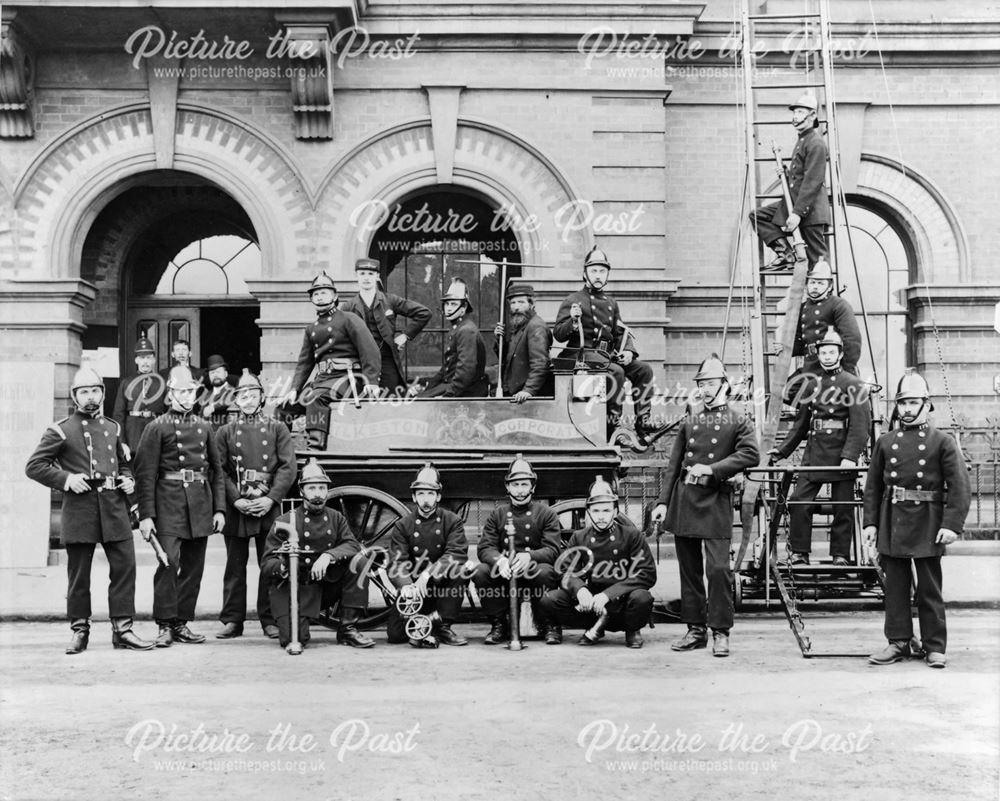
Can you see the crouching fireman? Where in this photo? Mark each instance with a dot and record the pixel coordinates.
(327, 568)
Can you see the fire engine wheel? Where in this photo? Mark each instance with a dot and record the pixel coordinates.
(572, 514)
(370, 513)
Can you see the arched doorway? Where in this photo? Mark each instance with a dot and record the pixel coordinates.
(433, 236)
(171, 258)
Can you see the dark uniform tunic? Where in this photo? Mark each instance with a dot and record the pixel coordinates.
(93, 446)
(806, 172)
(182, 507)
(623, 570)
(836, 424)
(326, 532)
(340, 347)
(258, 460)
(437, 544)
(380, 319)
(526, 363)
(463, 374)
(223, 402)
(536, 532)
(602, 333)
(140, 398)
(925, 460)
(815, 317)
(700, 515)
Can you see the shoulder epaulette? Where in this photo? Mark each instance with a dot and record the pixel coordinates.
(57, 427)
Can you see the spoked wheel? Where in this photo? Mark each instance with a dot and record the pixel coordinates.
(370, 514)
(572, 514)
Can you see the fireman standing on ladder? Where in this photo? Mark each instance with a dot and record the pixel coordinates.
(916, 499)
(810, 211)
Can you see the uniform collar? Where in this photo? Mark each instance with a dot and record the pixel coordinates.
(918, 427)
(833, 372)
(434, 513)
(252, 418)
(325, 314)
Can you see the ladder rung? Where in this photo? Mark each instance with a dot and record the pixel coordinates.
(787, 85)
(766, 17)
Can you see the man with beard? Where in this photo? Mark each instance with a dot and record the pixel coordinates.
(182, 498)
(463, 372)
(327, 571)
(141, 395)
(84, 457)
(342, 350)
(616, 587)
(217, 402)
(526, 371)
(916, 500)
(380, 311)
(427, 555)
(537, 543)
(836, 420)
(258, 459)
(713, 444)
(592, 317)
(807, 188)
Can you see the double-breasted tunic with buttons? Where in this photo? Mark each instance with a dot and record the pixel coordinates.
(140, 399)
(841, 399)
(915, 458)
(536, 532)
(436, 543)
(173, 442)
(623, 562)
(807, 181)
(92, 446)
(600, 323)
(463, 369)
(723, 439)
(336, 337)
(815, 317)
(256, 453)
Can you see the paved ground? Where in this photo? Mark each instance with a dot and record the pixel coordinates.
(241, 719)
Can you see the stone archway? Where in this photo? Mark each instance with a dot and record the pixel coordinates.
(491, 162)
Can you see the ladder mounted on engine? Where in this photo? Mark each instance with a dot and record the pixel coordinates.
(763, 85)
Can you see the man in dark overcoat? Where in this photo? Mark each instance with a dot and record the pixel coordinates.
(182, 499)
(836, 423)
(916, 500)
(463, 369)
(258, 460)
(84, 457)
(714, 444)
(526, 371)
(141, 395)
(381, 311)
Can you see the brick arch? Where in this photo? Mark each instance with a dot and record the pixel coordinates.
(939, 239)
(63, 191)
(488, 160)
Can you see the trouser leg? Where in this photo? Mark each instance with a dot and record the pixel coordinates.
(930, 604)
(446, 595)
(559, 607)
(192, 562)
(800, 514)
(79, 559)
(234, 581)
(763, 219)
(842, 528)
(491, 589)
(814, 238)
(691, 567)
(121, 578)
(391, 379)
(631, 611)
(898, 580)
(720, 585)
(263, 596)
(165, 581)
(640, 375)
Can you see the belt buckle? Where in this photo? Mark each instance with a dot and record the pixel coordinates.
(187, 475)
(897, 493)
(690, 478)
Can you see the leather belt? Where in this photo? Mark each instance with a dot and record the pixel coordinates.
(338, 366)
(140, 414)
(920, 496)
(184, 475)
(701, 481)
(829, 425)
(255, 475)
(104, 483)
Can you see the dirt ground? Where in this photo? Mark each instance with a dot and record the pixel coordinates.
(242, 720)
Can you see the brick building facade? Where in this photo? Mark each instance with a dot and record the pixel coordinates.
(112, 161)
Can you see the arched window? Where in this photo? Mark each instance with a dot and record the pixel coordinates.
(216, 265)
(883, 261)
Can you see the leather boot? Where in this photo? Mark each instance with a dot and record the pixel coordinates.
(446, 636)
(696, 637)
(633, 639)
(720, 643)
(81, 635)
(183, 634)
(554, 635)
(430, 641)
(895, 651)
(122, 636)
(165, 636)
(348, 633)
(229, 631)
(499, 631)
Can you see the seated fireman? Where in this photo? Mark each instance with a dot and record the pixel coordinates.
(463, 371)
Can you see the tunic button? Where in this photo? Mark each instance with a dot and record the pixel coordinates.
(416, 533)
(893, 474)
(178, 433)
(614, 550)
(895, 447)
(920, 475)
(263, 431)
(923, 434)
(612, 537)
(263, 442)
(714, 441)
(899, 435)
(593, 539)
(528, 514)
(718, 428)
(199, 430)
(690, 453)
(181, 457)
(893, 460)
(239, 444)
(264, 457)
(437, 531)
(921, 461)
(306, 519)
(106, 434)
(306, 535)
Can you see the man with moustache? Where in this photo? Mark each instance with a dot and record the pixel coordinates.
(180, 354)
(258, 460)
(84, 457)
(618, 582)
(141, 395)
(344, 353)
(427, 555)
(526, 370)
(380, 311)
(182, 499)
(217, 402)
